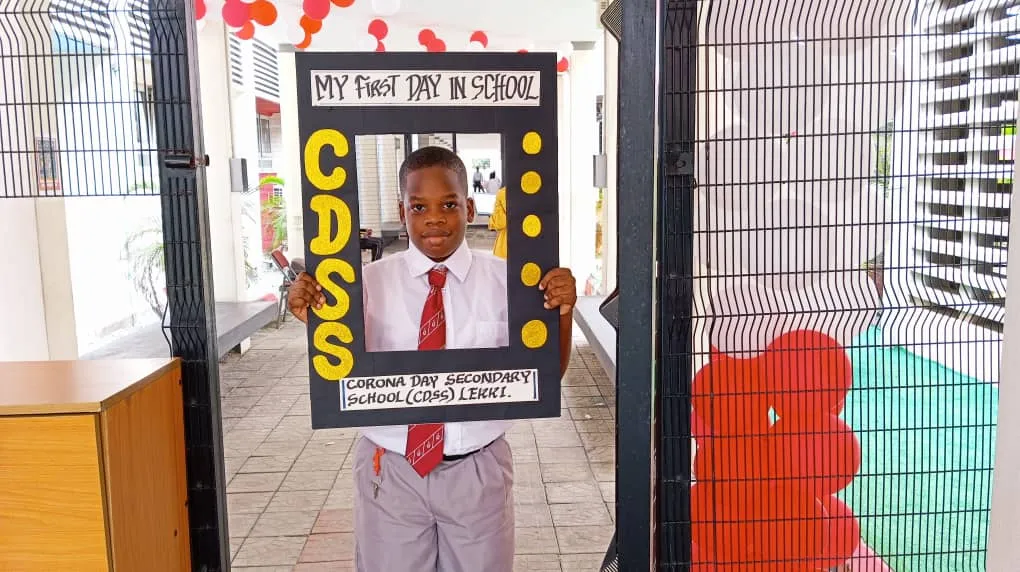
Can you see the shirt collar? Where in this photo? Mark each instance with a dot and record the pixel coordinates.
(458, 264)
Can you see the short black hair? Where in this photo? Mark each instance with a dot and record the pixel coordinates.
(433, 157)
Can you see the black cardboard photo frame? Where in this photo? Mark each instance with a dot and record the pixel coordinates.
(344, 95)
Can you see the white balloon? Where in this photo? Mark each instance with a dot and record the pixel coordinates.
(367, 43)
(295, 35)
(385, 7)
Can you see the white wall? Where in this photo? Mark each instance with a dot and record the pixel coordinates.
(609, 205)
(586, 72)
(23, 329)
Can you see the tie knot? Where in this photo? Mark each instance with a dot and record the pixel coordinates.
(437, 277)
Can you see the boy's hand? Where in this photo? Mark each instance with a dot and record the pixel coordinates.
(304, 292)
(560, 290)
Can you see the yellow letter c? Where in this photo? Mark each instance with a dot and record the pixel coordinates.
(313, 149)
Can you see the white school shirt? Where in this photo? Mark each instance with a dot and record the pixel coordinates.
(475, 305)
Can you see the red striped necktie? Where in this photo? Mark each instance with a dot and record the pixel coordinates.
(425, 441)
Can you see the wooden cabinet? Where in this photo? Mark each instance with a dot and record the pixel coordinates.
(92, 473)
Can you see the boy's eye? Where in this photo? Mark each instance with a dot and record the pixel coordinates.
(417, 208)
(450, 205)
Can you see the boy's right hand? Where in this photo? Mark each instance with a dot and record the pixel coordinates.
(304, 292)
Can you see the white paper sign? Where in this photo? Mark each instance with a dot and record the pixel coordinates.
(426, 88)
(436, 389)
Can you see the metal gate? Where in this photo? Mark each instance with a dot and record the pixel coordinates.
(99, 99)
(833, 206)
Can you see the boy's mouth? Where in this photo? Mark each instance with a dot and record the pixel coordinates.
(435, 237)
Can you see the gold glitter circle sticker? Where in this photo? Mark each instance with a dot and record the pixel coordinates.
(531, 182)
(531, 274)
(534, 334)
(532, 226)
(532, 143)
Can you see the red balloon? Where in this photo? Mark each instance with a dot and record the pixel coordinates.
(721, 522)
(343, 3)
(699, 429)
(380, 46)
(480, 37)
(793, 534)
(820, 455)
(436, 45)
(522, 51)
(263, 12)
(200, 9)
(843, 535)
(235, 13)
(305, 42)
(729, 460)
(378, 28)
(809, 373)
(246, 32)
(563, 65)
(310, 26)
(426, 36)
(316, 9)
(729, 397)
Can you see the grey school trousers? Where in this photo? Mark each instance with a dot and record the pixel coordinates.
(459, 518)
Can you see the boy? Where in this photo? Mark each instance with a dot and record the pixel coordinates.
(434, 497)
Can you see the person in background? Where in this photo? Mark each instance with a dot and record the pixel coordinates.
(497, 222)
(437, 497)
(477, 187)
(493, 185)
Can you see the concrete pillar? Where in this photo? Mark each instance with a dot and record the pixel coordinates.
(585, 85)
(290, 156)
(565, 165)
(224, 208)
(609, 113)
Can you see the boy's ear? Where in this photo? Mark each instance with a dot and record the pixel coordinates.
(470, 210)
(400, 208)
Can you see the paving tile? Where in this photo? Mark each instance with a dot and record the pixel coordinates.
(563, 472)
(280, 449)
(608, 492)
(239, 523)
(337, 520)
(532, 515)
(284, 501)
(238, 503)
(328, 447)
(330, 547)
(537, 563)
(565, 438)
(583, 539)
(536, 540)
(288, 523)
(335, 566)
(319, 462)
(580, 514)
(267, 465)
(269, 551)
(255, 482)
(309, 481)
(582, 562)
(573, 492)
(549, 455)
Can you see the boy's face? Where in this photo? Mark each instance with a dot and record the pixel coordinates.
(436, 211)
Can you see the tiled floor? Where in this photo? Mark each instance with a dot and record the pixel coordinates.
(290, 492)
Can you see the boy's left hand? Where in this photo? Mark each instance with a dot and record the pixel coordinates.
(560, 290)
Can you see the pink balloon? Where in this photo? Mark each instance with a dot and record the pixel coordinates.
(316, 9)
(235, 13)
